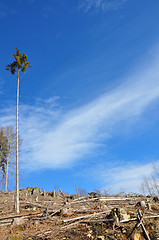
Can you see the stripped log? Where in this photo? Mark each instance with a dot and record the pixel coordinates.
(85, 216)
(18, 216)
(140, 217)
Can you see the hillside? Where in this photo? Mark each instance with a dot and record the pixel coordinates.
(56, 215)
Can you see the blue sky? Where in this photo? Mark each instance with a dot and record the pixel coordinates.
(89, 104)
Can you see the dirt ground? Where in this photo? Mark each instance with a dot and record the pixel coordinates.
(58, 216)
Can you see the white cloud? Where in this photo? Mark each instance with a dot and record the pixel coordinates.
(127, 177)
(53, 139)
(7, 116)
(104, 5)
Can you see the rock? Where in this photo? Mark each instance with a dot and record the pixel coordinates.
(18, 221)
(65, 211)
(119, 214)
(141, 204)
(123, 214)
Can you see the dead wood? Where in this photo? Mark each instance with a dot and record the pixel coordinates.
(34, 204)
(63, 195)
(78, 199)
(71, 224)
(45, 213)
(140, 218)
(57, 211)
(18, 216)
(99, 220)
(85, 216)
(134, 219)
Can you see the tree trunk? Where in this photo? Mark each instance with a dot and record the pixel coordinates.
(76, 188)
(17, 150)
(6, 183)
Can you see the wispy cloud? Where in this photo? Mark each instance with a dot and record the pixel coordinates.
(53, 139)
(104, 5)
(116, 177)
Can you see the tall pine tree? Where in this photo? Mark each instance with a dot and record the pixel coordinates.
(20, 64)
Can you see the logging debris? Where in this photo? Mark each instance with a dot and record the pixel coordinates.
(58, 216)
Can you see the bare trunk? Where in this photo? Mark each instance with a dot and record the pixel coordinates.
(17, 150)
(6, 182)
(76, 188)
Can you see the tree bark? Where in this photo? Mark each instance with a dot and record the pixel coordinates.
(6, 183)
(17, 149)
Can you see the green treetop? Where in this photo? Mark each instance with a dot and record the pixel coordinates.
(20, 63)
